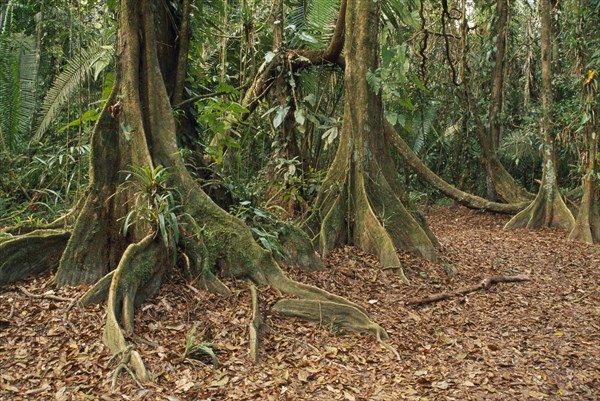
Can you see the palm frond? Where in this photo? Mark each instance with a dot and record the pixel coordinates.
(316, 17)
(9, 95)
(29, 60)
(423, 126)
(6, 18)
(69, 81)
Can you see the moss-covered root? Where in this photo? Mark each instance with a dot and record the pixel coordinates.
(198, 264)
(330, 314)
(255, 326)
(31, 253)
(280, 282)
(544, 211)
(137, 276)
(98, 292)
(587, 225)
(298, 250)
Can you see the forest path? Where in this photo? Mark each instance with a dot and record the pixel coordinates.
(535, 340)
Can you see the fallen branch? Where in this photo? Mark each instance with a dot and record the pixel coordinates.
(483, 285)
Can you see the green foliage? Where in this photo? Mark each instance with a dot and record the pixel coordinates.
(194, 348)
(87, 64)
(311, 23)
(215, 116)
(18, 83)
(265, 227)
(154, 202)
(9, 96)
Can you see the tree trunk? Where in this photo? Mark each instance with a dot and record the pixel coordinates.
(497, 94)
(463, 198)
(137, 128)
(548, 209)
(501, 181)
(359, 202)
(587, 225)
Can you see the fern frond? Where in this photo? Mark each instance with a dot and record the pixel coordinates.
(29, 59)
(68, 82)
(9, 95)
(317, 17)
(423, 126)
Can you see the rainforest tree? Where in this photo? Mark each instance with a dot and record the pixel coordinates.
(548, 209)
(587, 225)
(166, 213)
(359, 200)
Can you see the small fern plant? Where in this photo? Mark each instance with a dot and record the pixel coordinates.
(154, 202)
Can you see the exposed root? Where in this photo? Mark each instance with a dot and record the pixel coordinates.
(98, 292)
(124, 361)
(140, 265)
(587, 224)
(31, 253)
(255, 326)
(279, 281)
(44, 296)
(545, 211)
(330, 313)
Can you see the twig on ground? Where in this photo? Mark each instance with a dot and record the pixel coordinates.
(483, 285)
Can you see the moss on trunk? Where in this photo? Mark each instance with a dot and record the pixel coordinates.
(548, 208)
(359, 202)
(137, 128)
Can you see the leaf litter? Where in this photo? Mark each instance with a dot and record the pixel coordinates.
(535, 340)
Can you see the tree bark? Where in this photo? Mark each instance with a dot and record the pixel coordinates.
(587, 225)
(359, 203)
(503, 183)
(497, 94)
(464, 198)
(548, 209)
(137, 128)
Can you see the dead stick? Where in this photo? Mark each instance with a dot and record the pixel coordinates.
(483, 285)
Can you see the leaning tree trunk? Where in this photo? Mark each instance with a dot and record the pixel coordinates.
(466, 199)
(359, 202)
(137, 128)
(548, 208)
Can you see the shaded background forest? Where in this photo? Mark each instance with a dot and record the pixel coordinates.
(58, 66)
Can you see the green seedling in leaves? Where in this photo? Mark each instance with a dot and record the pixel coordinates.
(195, 347)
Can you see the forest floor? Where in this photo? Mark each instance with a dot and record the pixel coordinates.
(534, 340)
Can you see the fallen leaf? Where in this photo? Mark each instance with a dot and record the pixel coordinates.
(443, 385)
(219, 383)
(303, 375)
